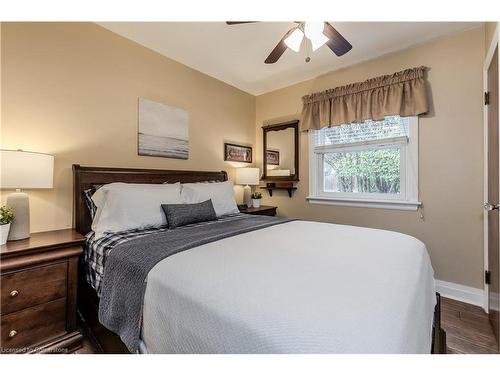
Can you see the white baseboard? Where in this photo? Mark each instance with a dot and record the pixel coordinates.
(460, 292)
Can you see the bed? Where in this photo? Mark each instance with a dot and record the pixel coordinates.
(273, 289)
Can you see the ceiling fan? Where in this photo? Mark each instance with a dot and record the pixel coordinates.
(317, 33)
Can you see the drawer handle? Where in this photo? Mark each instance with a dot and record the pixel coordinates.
(14, 293)
(12, 333)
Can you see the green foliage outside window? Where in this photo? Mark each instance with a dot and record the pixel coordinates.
(375, 171)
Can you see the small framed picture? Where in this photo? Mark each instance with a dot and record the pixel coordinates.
(272, 157)
(239, 153)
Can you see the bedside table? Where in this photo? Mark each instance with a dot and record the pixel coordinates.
(38, 293)
(262, 210)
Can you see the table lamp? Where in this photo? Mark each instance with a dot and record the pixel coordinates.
(24, 170)
(247, 176)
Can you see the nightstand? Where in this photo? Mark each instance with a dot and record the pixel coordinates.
(262, 210)
(38, 293)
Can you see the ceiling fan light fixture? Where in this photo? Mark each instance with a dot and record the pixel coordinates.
(311, 29)
(314, 32)
(318, 40)
(294, 40)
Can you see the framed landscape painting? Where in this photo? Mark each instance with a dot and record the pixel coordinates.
(239, 153)
(163, 130)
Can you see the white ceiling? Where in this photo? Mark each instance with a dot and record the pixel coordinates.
(236, 54)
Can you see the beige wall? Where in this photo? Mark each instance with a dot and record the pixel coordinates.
(71, 90)
(450, 160)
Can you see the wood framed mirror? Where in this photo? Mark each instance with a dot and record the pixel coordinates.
(281, 151)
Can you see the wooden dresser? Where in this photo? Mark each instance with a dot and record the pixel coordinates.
(38, 293)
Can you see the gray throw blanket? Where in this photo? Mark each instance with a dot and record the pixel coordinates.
(127, 267)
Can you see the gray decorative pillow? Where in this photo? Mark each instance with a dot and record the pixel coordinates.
(184, 214)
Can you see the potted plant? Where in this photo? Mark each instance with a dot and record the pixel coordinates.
(256, 197)
(6, 217)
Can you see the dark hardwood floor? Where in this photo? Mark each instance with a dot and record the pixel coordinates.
(468, 330)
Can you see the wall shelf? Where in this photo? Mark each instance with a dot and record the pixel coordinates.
(290, 189)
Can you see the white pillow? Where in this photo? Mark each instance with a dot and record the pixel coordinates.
(122, 206)
(221, 194)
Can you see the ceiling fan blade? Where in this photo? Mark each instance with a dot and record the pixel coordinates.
(230, 23)
(279, 49)
(337, 42)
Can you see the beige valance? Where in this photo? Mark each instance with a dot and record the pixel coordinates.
(402, 93)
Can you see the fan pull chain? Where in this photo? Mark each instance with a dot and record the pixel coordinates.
(308, 49)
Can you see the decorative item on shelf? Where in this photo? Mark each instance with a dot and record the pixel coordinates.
(256, 197)
(6, 218)
(237, 153)
(24, 170)
(247, 176)
(278, 173)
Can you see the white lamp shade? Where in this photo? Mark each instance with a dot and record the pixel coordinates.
(247, 176)
(26, 170)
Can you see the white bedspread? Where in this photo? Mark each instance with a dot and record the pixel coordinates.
(298, 287)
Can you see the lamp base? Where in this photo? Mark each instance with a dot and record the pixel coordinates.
(247, 196)
(20, 204)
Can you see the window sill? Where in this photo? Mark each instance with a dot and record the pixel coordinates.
(368, 203)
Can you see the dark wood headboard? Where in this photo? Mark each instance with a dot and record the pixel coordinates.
(86, 177)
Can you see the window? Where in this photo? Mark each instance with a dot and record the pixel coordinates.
(372, 164)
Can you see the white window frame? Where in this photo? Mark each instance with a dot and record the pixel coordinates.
(407, 200)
